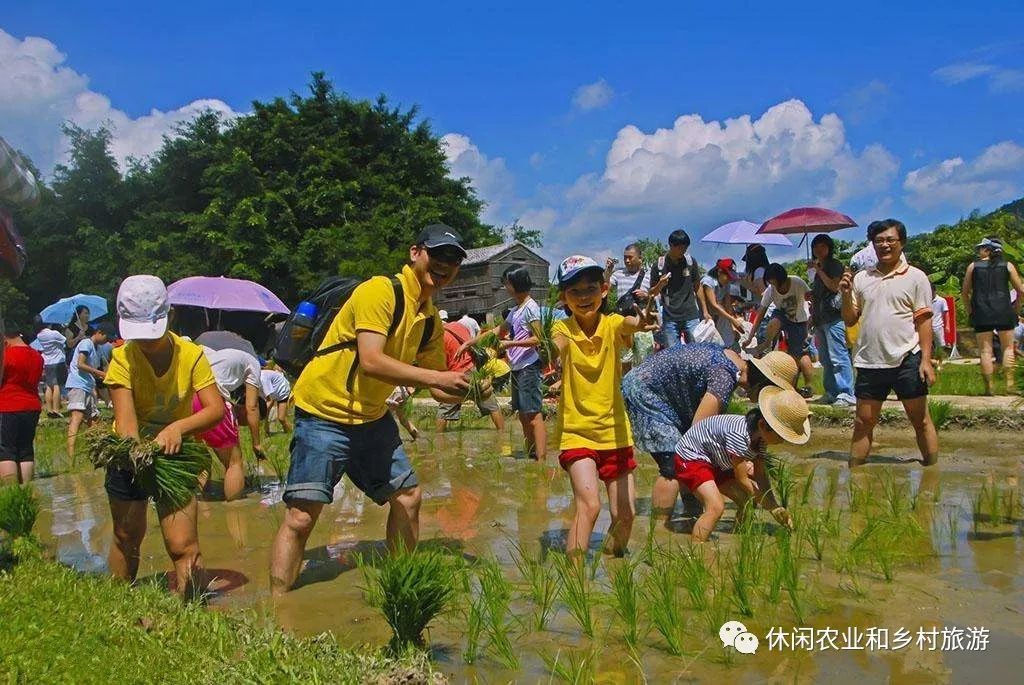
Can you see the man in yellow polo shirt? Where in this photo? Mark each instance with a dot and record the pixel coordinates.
(342, 425)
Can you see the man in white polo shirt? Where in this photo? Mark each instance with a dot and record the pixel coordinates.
(894, 350)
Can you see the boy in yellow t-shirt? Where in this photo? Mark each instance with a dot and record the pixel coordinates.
(152, 380)
(596, 442)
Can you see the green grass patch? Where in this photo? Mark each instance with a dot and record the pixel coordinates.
(60, 626)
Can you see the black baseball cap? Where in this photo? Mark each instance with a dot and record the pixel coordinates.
(440, 235)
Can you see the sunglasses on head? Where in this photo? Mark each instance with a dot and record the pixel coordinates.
(446, 253)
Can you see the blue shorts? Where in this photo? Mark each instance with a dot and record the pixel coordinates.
(796, 334)
(526, 391)
(371, 454)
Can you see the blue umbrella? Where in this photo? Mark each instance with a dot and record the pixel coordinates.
(62, 310)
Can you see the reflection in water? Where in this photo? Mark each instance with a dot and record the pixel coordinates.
(477, 495)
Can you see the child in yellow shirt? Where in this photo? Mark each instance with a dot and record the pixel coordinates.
(596, 442)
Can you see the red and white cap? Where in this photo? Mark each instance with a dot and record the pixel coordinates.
(142, 308)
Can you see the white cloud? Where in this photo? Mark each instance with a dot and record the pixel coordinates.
(492, 180)
(994, 176)
(593, 96)
(38, 92)
(1000, 79)
(698, 173)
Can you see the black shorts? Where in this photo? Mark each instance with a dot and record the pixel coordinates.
(17, 435)
(119, 485)
(904, 380)
(666, 464)
(986, 328)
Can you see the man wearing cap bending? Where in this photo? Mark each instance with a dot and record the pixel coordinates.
(893, 302)
(342, 425)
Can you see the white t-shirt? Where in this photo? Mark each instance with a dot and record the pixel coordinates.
(275, 385)
(888, 305)
(471, 324)
(792, 303)
(939, 309)
(622, 281)
(232, 369)
(51, 345)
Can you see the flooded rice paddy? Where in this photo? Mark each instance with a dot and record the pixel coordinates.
(899, 547)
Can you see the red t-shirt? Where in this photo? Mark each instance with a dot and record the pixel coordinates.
(454, 335)
(23, 367)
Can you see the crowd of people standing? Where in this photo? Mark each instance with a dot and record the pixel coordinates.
(655, 371)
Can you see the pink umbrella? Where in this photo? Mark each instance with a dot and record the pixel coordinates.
(228, 294)
(807, 220)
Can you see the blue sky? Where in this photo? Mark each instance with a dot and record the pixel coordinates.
(555, 108)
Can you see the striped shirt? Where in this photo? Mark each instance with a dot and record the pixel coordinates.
(17, 184)
(718, 440)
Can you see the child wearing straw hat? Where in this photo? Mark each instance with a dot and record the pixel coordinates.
(725, 455)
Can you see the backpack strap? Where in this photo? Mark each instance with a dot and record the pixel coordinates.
(639, 280)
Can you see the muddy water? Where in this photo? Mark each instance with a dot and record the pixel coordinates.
(480, 499)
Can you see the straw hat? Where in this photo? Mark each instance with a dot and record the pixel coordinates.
(787, 413)
(777, 367)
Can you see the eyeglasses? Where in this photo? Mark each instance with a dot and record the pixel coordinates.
(446, 254)
(881, 242)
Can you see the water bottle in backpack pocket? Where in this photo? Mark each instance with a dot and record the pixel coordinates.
(306, 326)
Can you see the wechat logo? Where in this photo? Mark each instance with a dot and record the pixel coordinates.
(734, 634)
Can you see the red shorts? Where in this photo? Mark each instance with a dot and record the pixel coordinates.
(610, 463)
(225, 433)
(694, 473)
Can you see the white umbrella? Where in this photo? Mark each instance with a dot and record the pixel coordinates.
(745, 233)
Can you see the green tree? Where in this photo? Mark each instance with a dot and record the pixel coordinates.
(531, 237)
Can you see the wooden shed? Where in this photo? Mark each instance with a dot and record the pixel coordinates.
(478, 291)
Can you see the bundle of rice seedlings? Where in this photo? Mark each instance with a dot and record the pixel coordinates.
(410, 589)
(19, 508)
(171, 480)
(547, 350)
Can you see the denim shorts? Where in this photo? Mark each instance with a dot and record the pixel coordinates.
(371, 454)
(120, 485)
(526, 391)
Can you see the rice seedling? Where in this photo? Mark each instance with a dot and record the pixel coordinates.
(572, 667)
(940, 412)
(547, 350)
(895, 496)
(953, 528)
(781, 473)
(660, 594)
(19, 508)
(1011, 506)
(496, 594)
(475, 618)
(647, 551)
(745, 573)
(542, 584)
(410, 589)
(695, 576)
(808, 486)
(626, 601)
(819, 528)
(171, 480)
(831, 490)
(576, 591)
(788, 569)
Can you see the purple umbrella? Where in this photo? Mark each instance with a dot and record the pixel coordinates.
(228, 294)
(744, 233)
